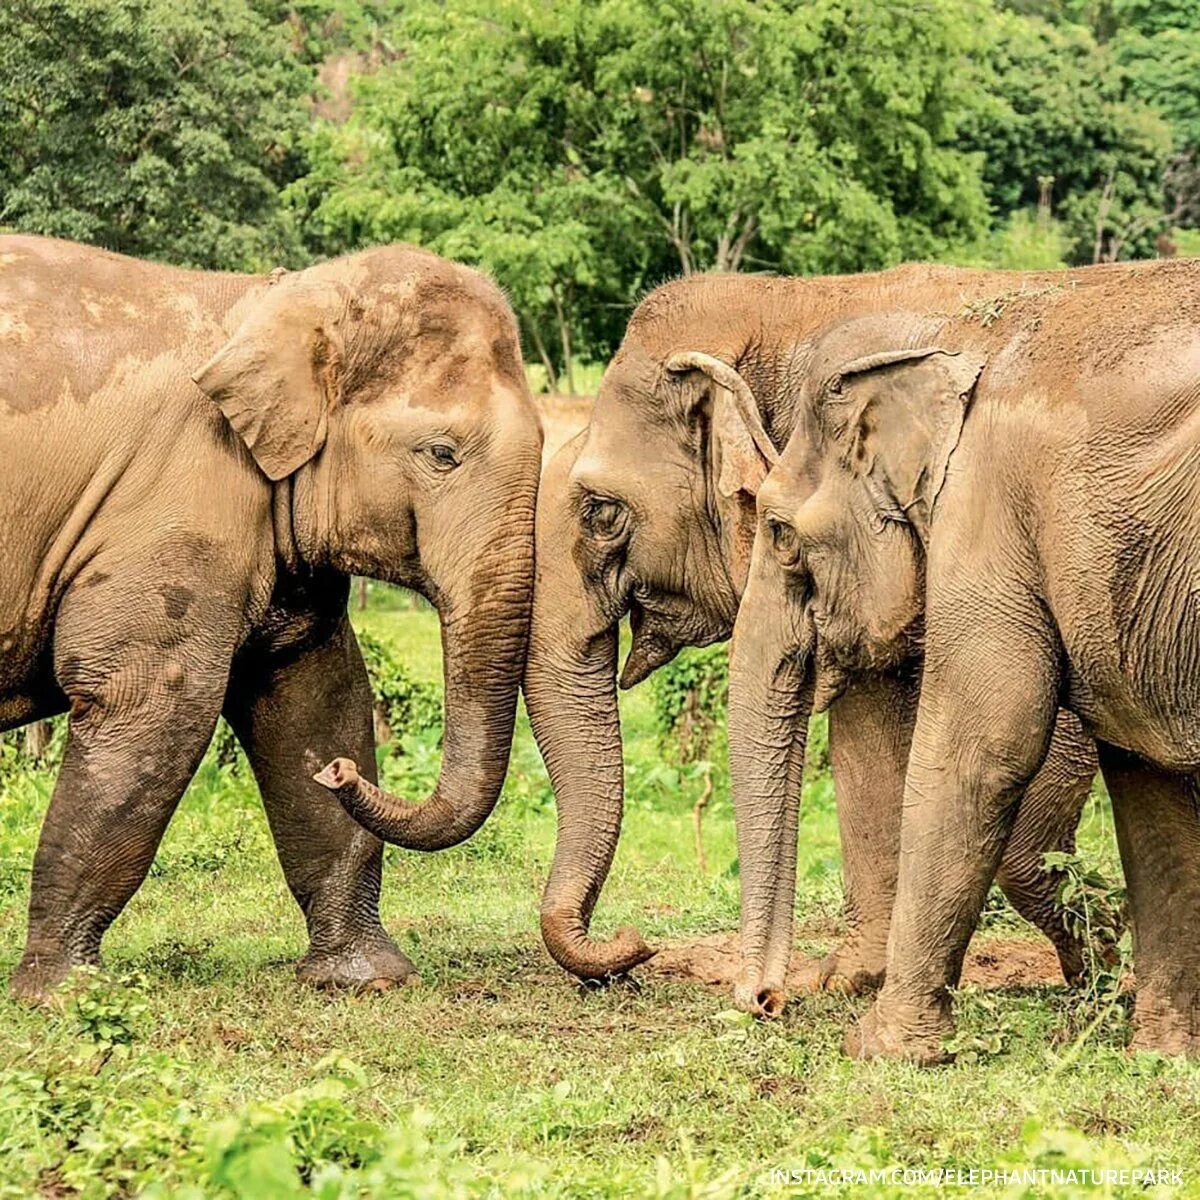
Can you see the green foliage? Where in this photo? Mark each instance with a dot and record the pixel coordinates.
(406, 705)
(1060, 118)
(690, 697)
(582, 151)
(317, 29)
(1094, 909)
(110, 1012)
(1029, 242)
(161, 128)
(17, 756)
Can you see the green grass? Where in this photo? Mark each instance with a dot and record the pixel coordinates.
(204, 1070)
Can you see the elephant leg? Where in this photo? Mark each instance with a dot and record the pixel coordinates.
(144, 697)
(293, 713)
(1046, 820)
(870, 732)
(869, 739)
(1157, 815)
(976, 746)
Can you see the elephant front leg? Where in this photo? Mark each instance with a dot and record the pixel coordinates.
(870, 732)
(138, 729)
(977, 743)
(293, 715)
(1157, 815)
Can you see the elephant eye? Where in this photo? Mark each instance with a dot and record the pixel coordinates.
(442, 456)
(603, 517)
(784, 541)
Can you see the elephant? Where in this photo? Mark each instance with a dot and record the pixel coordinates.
(195, 464)
(1016, 502)
(651, 513)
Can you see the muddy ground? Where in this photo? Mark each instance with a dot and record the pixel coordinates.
(993, 962)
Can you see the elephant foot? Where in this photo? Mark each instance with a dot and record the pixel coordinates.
(40, 975)
(916, 1040)
(1161, 1027)
(852, 969)
(365, 966)
(1073, 963)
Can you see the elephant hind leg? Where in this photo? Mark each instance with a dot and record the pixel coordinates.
(1046, 821)
(144, 697)
(1157, 815)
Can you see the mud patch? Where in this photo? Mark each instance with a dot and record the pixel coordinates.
(991, 963)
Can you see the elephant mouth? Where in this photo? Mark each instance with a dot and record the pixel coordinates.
(823, 668)
(659, 633)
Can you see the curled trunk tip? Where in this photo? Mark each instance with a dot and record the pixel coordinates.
(338, 774)
(433, 825)
(567, 939)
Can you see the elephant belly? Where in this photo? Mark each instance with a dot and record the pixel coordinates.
(1157, 719)
(1124, 589)
(28, 689)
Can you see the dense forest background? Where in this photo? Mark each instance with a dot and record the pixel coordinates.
(585, 150)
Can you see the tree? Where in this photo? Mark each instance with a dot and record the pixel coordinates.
(584, 150)
(162, 128)
(1060, 113)
(1158, 52)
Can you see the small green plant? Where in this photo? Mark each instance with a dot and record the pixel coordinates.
(972, 1044)
(108, 1010)
(1093, 909)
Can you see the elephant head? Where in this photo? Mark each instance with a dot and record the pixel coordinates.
(385, 397)
(649, 511)
(836, 588)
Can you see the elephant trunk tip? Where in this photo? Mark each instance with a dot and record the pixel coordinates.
(339, 774)
(764, 1002)
(567, 939)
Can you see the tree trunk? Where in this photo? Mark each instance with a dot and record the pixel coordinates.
(37, 739)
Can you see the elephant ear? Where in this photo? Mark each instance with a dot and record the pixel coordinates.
(279, 375)
(740, 454)
(899, 417)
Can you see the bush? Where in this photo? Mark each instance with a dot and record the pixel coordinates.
(691, 694)
(403, 705)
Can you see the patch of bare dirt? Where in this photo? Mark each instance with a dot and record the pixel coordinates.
(714, 961)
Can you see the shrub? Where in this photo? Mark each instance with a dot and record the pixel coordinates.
(691, 694)
(403, 705)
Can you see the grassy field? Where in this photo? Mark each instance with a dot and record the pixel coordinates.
(199, 1068)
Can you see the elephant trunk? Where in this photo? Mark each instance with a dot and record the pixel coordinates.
(572, 701)
(571, 695)
(483, 653)
(770, 700)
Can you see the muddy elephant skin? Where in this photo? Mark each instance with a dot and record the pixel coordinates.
(1018, 499)
(650, 512)
(193, 466)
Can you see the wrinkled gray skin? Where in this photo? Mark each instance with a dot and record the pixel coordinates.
(1020, 503)
(194, 465)
(651, 513)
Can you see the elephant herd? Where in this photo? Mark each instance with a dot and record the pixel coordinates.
(958, 509)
